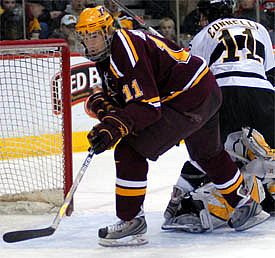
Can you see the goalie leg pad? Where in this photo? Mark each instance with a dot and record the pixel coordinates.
(186, 222)
(205, 209)
(191, 177)
(201, 210)
(192, 217)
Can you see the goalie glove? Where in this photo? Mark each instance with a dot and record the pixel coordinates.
(253, 154)
(262, 156)
(255, 143)
(247, 145)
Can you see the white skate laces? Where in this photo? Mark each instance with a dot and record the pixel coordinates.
(124, 233)
(120, 225)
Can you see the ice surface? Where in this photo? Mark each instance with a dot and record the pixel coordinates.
(76, 236)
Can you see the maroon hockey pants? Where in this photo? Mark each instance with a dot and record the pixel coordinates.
(202, 138)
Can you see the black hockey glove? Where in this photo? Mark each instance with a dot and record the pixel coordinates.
(98, 104)
(104, 135)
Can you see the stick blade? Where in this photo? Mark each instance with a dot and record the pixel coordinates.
(16, 236)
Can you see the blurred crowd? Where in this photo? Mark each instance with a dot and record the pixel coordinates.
(42, 19)
(261, 11)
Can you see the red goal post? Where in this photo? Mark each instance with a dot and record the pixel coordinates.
(35, 129)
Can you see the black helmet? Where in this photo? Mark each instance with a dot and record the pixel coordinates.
(214, 9)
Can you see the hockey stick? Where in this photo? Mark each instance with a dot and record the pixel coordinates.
(139, 20)
(16, 236)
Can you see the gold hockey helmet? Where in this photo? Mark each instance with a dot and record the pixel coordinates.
(93, 22)
(94, 19)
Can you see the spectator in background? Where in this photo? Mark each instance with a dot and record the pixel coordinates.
(268, 6)
(49, 19)
(167, 28)
(11, 20)
(191, 23)
(34, 9)
(51, 16)
(122, 20)
(67, 32)
(247, 10)
(75, 7)
(190, 27)
(8, 5)
(90, 3)
(158, 8)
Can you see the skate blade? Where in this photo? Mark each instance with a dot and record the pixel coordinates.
(190, 228)
(135, 240)
(253, 221)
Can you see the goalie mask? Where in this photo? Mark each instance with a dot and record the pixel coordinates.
(215, 9)
(95, 29)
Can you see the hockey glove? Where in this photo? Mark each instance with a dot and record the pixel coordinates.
(105, 135)
(99, 105)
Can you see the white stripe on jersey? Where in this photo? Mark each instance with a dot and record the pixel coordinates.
(230, 182)
(120, 74)
(127, 183)
(127, 47)
(199, 71)
(245, 82)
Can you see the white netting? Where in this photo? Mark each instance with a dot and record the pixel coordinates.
(31, 133)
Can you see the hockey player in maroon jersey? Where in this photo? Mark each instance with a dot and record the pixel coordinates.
(154, 94)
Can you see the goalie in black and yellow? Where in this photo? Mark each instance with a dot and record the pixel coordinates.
(240, 55)
(197, 206)
(154, 94)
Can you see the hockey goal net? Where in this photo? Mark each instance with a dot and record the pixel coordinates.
(35, 128)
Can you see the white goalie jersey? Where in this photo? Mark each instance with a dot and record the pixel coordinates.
(238, 52)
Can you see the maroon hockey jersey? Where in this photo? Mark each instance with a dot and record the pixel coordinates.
(148, 71)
